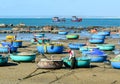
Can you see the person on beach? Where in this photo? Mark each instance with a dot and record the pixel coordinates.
(72, 58)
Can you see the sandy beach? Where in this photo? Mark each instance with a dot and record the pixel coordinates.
(24, 73)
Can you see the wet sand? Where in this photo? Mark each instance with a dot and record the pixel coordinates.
(19, 73)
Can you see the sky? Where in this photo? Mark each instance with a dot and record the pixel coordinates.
(61, 8)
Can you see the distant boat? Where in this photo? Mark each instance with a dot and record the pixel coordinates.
(57, 19)
(76, 19)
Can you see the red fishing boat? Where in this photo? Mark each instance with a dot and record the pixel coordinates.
(76, 19)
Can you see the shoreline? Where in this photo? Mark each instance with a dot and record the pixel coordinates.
(98, 73)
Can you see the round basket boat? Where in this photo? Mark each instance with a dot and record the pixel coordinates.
(17, 43)
(106, 46)
(10, 37)
(23, 57)
(80, 62)
(76, 46)
(96, 36)
(105, 33)
(39, 35)
(115, 62)
(50, 48)
(6, 43)
(87, 48)
(96, 41)
(62, 33)
(50, 64)
(96, 55)
(4, 49)
(3, 60)
(72, 36)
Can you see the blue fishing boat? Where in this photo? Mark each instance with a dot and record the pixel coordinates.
(62, 33)
(96, 41)
(50, 48)
(3, 60)
(4, 49)
(87, 48)
(17, 43)
(105, 33)
(80, 62)
(23, 57)
(96, 55)
(96, 36)
(6, 43)
(40, 35)
(76, 46)
(115, 62)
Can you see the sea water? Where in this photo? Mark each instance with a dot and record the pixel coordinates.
(104, 22)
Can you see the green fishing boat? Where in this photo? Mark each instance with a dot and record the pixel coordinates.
(106, 46)
(72, 36)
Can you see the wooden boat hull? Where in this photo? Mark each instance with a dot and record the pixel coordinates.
(50, 64)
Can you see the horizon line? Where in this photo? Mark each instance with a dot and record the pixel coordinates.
(59, 16)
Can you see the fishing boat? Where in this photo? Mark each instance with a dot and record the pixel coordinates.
(3, 60)
(115, 62)
(76, 19)
(87, 48)
(40, 40)
(41, 35)
(55, 19)
(23, 57)
(95, 55)
(72, 36)
(62, 33)
(106, 46)
(76, 46)
(50, 48)
(50, 64)
(96, 36)
(105, 33)
(80, 62)
(17, 43)
(96, 41)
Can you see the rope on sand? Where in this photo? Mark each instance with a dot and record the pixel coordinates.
(64, 75)
(31, 74)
